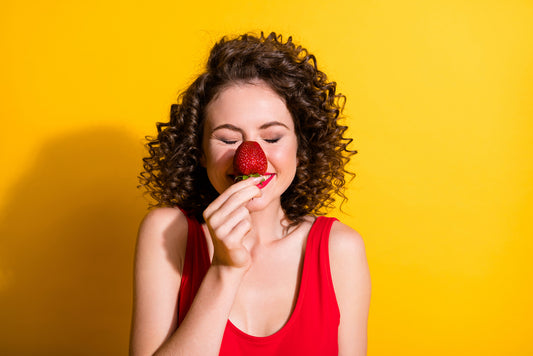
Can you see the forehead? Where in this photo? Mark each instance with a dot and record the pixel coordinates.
(247, 104)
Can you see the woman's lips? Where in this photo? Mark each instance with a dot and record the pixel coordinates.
(266, 181)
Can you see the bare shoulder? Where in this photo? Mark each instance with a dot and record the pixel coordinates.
(345, 242)
(161, 219)
(164, 230)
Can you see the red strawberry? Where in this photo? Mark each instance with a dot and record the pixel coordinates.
(249, 160)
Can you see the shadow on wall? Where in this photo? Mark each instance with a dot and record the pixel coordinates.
(67, 241)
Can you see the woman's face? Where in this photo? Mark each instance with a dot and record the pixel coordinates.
(250, 112)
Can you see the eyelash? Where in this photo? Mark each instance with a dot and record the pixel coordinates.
(230, 142)
(227, 142)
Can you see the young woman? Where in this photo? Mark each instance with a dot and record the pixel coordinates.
(250, 267)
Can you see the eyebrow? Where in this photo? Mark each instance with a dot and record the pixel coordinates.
(262, 127)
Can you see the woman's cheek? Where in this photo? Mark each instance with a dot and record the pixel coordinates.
(221, 157)
(282, 157)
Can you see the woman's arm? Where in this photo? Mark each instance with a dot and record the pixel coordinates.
(159, 259)
(159, 256)
(351, 280)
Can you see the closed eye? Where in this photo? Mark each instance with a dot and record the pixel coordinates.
(226, 139)
(272, 140)
(229, 142)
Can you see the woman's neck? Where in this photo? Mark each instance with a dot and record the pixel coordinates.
(268, 225)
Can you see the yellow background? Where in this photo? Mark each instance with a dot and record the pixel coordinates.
(439, 101)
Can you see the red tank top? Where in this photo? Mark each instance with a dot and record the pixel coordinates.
(312, 329)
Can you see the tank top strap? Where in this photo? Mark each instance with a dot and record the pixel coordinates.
(195, 266)
(319, 237)
(318, 274)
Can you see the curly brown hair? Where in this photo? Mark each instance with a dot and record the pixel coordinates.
(172, 172)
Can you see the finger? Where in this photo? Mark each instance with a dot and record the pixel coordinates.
(240, 255)
(224, 205)
(223, 225)
(238, 199)
(239, 231)
(235, 188)
(217, 203)
(224, 212)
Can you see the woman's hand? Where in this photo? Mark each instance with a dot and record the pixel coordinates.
(228, 221)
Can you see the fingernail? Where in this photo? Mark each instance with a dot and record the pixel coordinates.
(258, 179)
